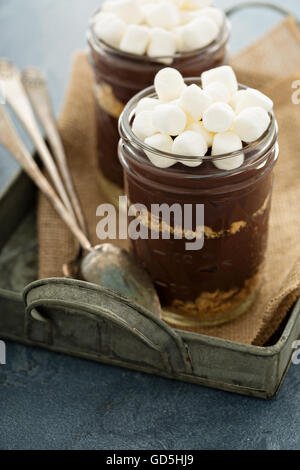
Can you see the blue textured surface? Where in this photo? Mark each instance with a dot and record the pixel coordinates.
(49, 401)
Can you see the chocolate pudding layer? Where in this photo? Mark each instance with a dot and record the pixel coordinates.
(119, 76)
(214, 284)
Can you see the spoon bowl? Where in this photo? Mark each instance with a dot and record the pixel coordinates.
(113, 267)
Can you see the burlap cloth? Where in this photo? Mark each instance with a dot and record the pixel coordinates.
(271, 65)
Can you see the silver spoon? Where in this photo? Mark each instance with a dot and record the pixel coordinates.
(35, 85)
(16, 96)
(106, 265)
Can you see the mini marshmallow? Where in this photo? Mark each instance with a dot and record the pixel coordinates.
(127, 10)
(176, 103)
(251, 124)
(146, 104)
(197, 4)
(169, 84)
(218, 92)
(227, 142)
(111, 32)
(214, 13)
(146, 9)
(163, 143)
(186, 16)
(224, 74)
(218, 117)
(190, 144)
(199, 127)
(177, 32)
(253, 98)
(135, 40)
(235, 98)
(199, 33)
(102, 18)
(179, 3)
(143, 125)
(195, 101)
(189, 120)
(169, 119)
(163, 15)
(162, 44)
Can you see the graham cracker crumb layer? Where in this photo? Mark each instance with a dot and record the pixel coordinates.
(212, 308)
(155, 224)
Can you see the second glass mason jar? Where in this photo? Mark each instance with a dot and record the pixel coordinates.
(219, 282)
(119, 76)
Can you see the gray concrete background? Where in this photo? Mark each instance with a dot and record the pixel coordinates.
(48, 401)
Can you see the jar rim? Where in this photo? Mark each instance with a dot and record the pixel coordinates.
(266, 141)
(218, 43)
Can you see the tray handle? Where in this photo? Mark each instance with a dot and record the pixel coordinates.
(53, 306)
(269, 5)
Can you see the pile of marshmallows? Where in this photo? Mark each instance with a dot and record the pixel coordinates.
(188, 120)
(158, 28)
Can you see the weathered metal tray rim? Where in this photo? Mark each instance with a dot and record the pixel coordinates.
(205, 339)
(189, 378)
(203, 381)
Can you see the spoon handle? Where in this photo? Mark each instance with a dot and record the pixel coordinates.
(17, 98)
(11, 140)
(36, 87)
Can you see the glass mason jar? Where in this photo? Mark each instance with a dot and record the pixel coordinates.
(219, 282)
(119, 76)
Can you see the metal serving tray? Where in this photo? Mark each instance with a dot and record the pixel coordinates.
(88, 321)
